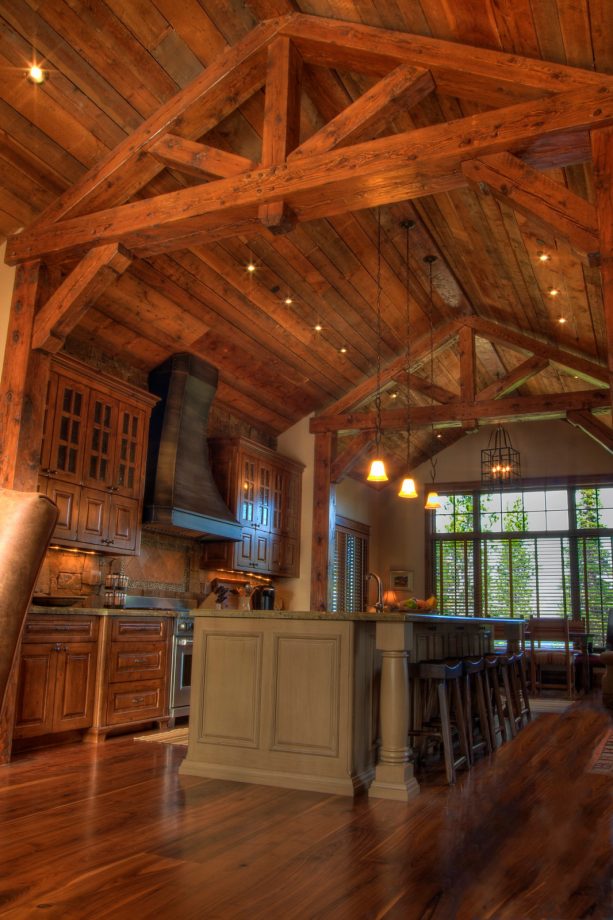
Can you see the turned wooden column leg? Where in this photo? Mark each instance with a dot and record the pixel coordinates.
(394, 778)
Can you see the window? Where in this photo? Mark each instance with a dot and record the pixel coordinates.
(350, 566)
(537, 551)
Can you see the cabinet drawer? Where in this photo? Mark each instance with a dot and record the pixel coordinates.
(142, 661)
(135, 701)
(42, 628)
(145, 628)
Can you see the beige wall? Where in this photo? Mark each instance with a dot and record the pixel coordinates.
(552, 448)
(7, 279)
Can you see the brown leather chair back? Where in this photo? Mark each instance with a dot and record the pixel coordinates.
(27, 520)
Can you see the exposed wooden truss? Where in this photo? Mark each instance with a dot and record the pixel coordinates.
(541, 115)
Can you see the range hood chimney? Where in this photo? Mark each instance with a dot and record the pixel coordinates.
(180, 493)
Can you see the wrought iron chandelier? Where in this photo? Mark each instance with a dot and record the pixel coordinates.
(500, 462)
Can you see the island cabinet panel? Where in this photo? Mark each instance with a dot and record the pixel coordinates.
(57, 675)
(134, 666)
(93, 455)
(284, 702)
(263, 489)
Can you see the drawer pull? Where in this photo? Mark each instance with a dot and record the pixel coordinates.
(140, 661)
(138, 699)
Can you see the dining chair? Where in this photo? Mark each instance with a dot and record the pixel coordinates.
(551, 652)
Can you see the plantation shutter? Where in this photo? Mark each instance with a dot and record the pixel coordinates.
(350, 566)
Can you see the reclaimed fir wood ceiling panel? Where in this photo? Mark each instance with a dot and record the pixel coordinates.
(113, 63)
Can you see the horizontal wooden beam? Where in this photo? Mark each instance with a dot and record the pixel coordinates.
(592, 427)
(61, 313)
(514, 379)
(380, 171)
(557, 208)
(518, 408)
(588, 370)
(422, 385)
(196, 159)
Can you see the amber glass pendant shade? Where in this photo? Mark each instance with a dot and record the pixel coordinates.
(377, 472)
(407, 489)
(432, 502)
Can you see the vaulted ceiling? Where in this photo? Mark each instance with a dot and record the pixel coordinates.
(332, 249)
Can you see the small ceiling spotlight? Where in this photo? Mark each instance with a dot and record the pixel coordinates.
(343, 350)
(36, 74)
(553, 292)
(543, 256)
(318, 327)
(393, 395)
(288, 300)
(250, 267)
(439, 435)
(562, 320)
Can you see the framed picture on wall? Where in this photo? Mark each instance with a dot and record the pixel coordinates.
(401, 580)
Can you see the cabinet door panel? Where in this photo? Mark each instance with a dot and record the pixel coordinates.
(34, 706)
(135, 700)
(126, 477)
(100, 441)
(137, 661)
(93, 516)
(247, 510)
(68, 430)
(123, 522)
(262, 551)
(74, 690)
(243, 550)
(66, 497)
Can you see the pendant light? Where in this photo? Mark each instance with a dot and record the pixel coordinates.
(432, 501)
(407, 489)
(500, 461)
(377, 471)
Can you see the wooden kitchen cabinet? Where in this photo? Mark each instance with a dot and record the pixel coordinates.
(134, 671)
(57, 675)
(263, 489)
(93, 455)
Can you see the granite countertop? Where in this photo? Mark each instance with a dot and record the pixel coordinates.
(100, 611)
(389, 616)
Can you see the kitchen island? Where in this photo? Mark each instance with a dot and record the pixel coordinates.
(316, 700)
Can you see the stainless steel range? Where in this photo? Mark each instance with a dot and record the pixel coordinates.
(181, 654)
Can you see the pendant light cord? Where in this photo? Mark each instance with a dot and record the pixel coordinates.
(378, 396)
(430, 260)
(408, 225)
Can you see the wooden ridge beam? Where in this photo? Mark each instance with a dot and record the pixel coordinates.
(592, 427)
(588, 370)
(220, 89)
(556, 207)
(514, 379)
(380, 171)
(441, 339)
(281, 131)
(468, 370)
(61, 313)
(197, 159)
(351, 453)
(489, 76)
(518, 408)
(371, 112)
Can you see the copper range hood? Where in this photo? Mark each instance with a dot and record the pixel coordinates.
(181, 496)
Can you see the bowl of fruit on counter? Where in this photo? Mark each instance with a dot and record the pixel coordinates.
(417, 605)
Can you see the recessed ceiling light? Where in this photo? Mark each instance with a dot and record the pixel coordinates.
(553, 292)
(543, 256)
(394, 395)
(318, 327)
(288, 300)
(36, 74)
(343, 350)
(439, 435)
(562, 320)
(250, 267)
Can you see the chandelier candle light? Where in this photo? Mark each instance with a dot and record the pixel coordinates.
(377, 471)
(500, 461)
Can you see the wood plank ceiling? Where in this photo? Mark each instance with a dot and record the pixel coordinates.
(113, 63)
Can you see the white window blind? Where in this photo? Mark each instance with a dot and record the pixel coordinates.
(350, 567)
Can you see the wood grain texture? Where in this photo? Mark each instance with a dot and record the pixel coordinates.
(151, 843)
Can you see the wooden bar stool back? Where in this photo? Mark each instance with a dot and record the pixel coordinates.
(475, 707)
(441, 713)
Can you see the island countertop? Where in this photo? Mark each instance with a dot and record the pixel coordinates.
(388, 616)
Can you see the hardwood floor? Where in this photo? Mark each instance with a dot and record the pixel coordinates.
(113, 831)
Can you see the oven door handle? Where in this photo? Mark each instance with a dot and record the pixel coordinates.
(184, 642)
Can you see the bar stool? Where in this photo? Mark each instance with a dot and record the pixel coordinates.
(439, 710)
(494, 704)
(505, 666)
(475, 707)
(519, 689)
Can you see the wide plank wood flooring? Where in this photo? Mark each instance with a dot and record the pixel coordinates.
(113, 831)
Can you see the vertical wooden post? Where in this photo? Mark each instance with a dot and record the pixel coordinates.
(602, 158)
(281, 132)
(324, 521)
(466, 343)
(23, 388)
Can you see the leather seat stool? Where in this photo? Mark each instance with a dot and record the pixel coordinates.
(475, 707)
(439, 711)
